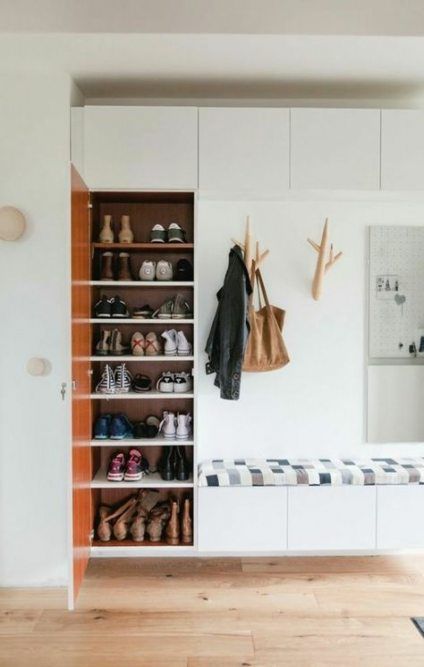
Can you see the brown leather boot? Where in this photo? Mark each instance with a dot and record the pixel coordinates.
(107, 266)
(186, 524)
(124, 269)
(172, 531)
(157, 520)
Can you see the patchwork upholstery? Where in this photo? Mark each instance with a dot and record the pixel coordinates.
(310, 472)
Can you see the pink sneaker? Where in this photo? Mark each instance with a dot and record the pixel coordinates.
(136, 466)
(116, 467)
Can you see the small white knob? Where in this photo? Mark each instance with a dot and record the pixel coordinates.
(38, 367)
(12, 223)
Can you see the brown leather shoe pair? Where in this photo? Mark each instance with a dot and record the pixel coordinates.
(176, 529)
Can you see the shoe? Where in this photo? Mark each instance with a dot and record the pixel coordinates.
(183, 429)
(172, 531)
(164, 270)
(103, 308)
(126, 234)
(134, 469)
(181, 468)
(158, 234)
(165, 382)
(107, 384)
(184, 348)
(182, 310)
(140, 430)
(103, 346)
(141, 383)
(106, 234)
(116, 469)
(116, 347)
(186, 524)
(147, 270)
(119, 308)
(152, 426)
(107, 266)
(123, 379)
(152, 346)
(164, 312)
(143, 312)
(176, 234)
(182, 382)
(120, 427)
(167, 464)
(102, 427)
(170, 337)
(158, 518)
(137, 344)
(124, 268)
(167, 425)
(184, 270)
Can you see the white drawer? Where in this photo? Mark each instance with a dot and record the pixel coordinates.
(400, 512)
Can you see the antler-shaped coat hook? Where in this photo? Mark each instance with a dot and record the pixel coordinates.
(252, 262)
(322, 263)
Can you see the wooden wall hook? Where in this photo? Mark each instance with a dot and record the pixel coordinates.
(251, 261)
(323, 264)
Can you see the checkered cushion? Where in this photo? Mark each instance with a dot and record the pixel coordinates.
(310, 472)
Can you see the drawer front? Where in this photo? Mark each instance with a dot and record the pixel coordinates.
(400, 511)
(242, 519)
(331, 518)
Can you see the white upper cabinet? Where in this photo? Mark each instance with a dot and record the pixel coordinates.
(335, 149)
(402, 150)
(244, 150)
(140, 147)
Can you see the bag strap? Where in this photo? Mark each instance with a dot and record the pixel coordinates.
(261, 286)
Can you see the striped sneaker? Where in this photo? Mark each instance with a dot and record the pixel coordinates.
(107, 384)
(123, 379)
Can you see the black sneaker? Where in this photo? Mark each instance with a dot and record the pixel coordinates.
(141, 383)
(140, 430)
(176, 234)
(184, 270)
(158, 234)
(119, 307)
(103, 308)
(143, 312)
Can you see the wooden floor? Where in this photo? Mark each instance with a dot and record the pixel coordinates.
(198, 613)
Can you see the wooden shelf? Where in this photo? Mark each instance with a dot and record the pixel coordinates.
(132, 395)
(141, 283)
(132, 357)
(160, 441)
(152, 481)
(136, 320)
(153, 247)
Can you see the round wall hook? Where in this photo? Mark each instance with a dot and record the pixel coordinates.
(12, 223)
(37, 367)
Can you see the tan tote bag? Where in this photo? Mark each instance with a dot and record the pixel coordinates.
(265, 350)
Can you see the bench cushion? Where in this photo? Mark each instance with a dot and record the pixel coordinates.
(310, 472)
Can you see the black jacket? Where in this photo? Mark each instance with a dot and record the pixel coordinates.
(230, 329)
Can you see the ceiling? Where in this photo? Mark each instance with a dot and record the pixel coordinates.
(343, 50)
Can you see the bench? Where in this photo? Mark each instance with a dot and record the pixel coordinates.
(282, 506)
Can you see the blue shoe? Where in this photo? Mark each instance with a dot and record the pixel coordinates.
(121, 427)
(102, 427)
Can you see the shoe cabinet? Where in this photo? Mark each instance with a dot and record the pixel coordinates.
(91, 456)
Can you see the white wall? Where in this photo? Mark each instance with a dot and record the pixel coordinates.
(34, 303)
(315, 405)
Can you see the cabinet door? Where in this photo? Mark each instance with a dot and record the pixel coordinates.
(81, 408)
(400, 517)
(335, 149)
(244, 150)
(140, 147)
(402, 150)
(242, 519)
(331, 518)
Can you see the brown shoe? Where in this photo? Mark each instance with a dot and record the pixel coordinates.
(107, 266)
(186, 524)
(173, 528)
(157, 520)
(124, 269)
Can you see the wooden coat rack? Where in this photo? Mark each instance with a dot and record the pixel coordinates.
(251, 261)
(323, 264)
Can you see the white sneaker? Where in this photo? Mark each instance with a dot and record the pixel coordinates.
(170, 337)
(167, 425)
(182, 382)
(137, 344)
(164, 270)
(184, 348)
(165, 383)
(183, 430)
(147, 270)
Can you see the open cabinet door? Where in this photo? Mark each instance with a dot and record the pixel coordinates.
(81, 405)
